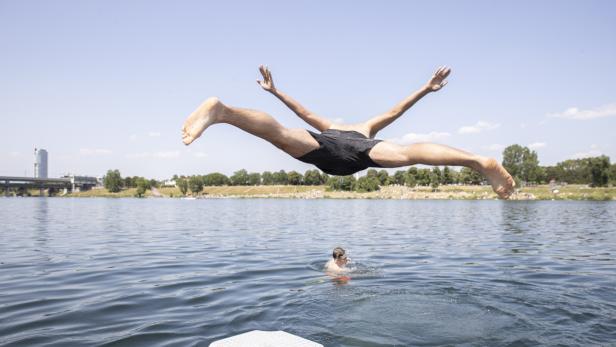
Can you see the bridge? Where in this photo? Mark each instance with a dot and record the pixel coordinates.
(66, 183)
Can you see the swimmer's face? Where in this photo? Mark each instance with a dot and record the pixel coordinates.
(342, 261)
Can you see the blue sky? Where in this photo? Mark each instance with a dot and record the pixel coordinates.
(106, 85)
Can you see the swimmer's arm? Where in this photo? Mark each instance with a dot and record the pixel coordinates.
(314, 120)
(436, 82)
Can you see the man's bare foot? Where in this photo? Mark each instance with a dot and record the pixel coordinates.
(204, 116)
(501, 181)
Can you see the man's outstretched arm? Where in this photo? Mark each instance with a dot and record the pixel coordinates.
(314, 120)
(436, 82)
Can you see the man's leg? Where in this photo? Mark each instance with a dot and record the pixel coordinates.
(391, 155)
(295, 142)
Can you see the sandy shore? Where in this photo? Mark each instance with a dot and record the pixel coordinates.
(452, 192)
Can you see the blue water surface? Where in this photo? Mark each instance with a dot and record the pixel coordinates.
(170, 272)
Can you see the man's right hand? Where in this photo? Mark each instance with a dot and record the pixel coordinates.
(438, 79)
(267, 83)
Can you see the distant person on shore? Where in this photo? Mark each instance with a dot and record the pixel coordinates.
(345, 149)
(338, 263)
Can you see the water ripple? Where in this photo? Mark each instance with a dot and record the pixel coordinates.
(164, 272)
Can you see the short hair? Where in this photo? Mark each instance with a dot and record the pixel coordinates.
(338, 252)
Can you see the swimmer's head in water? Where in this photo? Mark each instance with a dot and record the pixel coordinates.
(339, 255)
(338, 252)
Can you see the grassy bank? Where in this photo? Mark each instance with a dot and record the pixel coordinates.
(542, 192)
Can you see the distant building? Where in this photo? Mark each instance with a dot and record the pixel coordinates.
(169, 183)
(40, 164)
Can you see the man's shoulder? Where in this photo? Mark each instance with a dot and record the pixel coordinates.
(331, 264)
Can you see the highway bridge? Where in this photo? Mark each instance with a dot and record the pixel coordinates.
(66, 183)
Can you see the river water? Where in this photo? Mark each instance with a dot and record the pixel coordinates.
(170, 272)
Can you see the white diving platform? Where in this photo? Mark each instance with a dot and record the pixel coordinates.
(259, 338)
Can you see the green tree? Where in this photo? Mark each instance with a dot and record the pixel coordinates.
(410, 180)
(599, 171)
(294, 178)
(239, 178)
(383, 177)
(366, 184)
(513, 156)
(324, 178)
(399, 177)
(280, 177)
(435, 178)
(551, 173)
(470, 176)
(113, 181)
(576, 171)
(254, 179)
(446, 177)
(530, 167)
(142, 185)
(216, 179)
(423, 177)
(436, 171)
(372, 173)
(613, 174)
(182, 184)
(195, 184)
(267, 178)
(521, 162)
(411, 177)
(341, 182)
(541, 175)
(312, 178)
(128, 182)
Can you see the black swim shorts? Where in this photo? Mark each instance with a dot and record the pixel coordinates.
(341, 152)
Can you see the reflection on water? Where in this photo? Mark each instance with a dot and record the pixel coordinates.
(164, 272)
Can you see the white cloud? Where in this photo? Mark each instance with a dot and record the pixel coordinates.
(167, 154)
(593, 152)
(413, 137)
(153, 134)
(477, 128)
(537, 145)
(133, 137)
(495, 147)
(200, 154)
(94, 151)
(14, 154)
(575, 113)
(338, 120)
(160, 155)
(589, 154)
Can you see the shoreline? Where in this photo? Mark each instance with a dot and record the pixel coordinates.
(392, 192)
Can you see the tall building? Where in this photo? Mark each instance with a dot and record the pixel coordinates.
(40, 164)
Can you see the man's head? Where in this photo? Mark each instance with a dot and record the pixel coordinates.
(339, 255)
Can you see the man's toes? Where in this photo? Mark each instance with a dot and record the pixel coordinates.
(502, 192)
